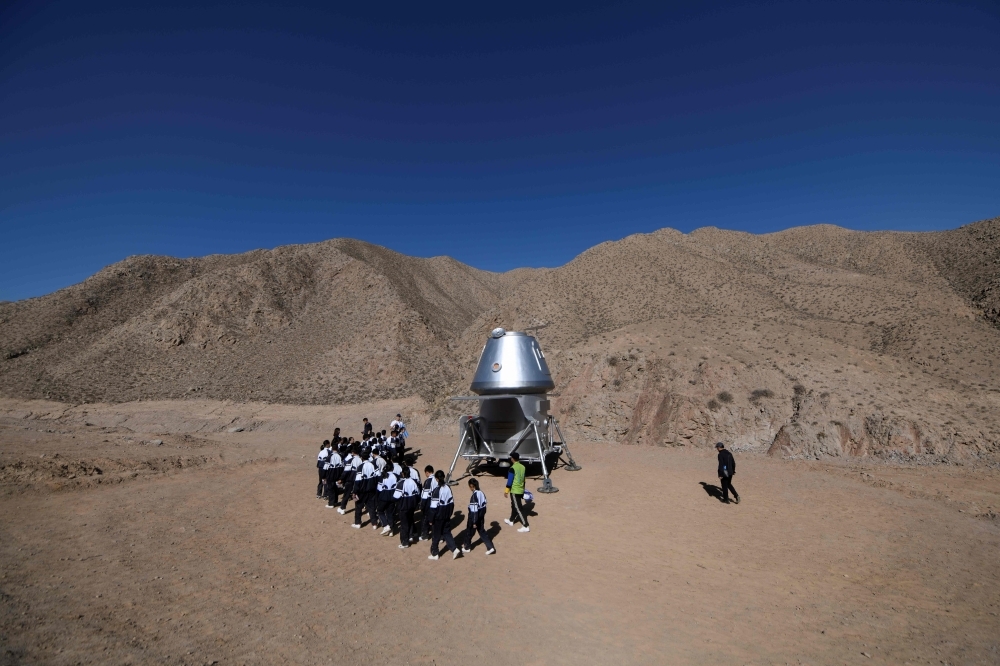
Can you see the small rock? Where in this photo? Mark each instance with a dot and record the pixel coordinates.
(865, 654)
(156, 442)
(237, 429)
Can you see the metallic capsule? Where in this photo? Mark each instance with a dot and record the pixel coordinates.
(511, 362)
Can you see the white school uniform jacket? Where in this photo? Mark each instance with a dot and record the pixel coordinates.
(442, 497)
(388, 483)
(380, 463)
(407, 488)
(365, 471)
(351, 465)
(428, 488)
(323, 455)
(478, 502)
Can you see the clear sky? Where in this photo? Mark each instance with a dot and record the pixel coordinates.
(501, 134)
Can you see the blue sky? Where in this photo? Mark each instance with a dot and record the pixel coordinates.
(503, 135)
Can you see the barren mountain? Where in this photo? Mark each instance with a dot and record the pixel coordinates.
(810, 342)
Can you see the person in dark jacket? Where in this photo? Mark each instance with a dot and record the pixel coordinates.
(727, 468)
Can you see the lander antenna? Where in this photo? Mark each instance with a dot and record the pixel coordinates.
(512, 383)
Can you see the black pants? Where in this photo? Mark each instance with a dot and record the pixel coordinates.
(366, 500)
(332, 492)
(477, 523)
(348, 491)
(727, 486)
(319, 486)
(387, 512)
(406, 510)
(426, 518)
(442, 529)
(517, 509)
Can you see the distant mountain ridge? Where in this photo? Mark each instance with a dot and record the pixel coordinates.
(644, 334)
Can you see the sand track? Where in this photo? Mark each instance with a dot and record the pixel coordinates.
(632, 562)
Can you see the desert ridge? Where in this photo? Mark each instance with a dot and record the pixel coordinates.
(812, 342)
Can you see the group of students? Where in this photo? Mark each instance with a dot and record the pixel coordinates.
(374, 473)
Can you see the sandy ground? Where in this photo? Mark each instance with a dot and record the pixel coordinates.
(211, 547)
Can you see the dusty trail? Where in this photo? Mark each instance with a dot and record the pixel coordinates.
(238, 563)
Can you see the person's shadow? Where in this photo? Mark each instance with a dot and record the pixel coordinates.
(713, 491)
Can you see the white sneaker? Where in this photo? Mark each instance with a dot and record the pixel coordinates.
(432, 557)
(340, 511)
(423, 538)
(386, 530)
(456, 554)
(524, 529)
(374, 527)
(509, 522)
(491, 551)
(402, 547)
(356, 526)
(466, 550)
(330, 506)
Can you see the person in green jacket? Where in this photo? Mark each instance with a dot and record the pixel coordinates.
(515, 488)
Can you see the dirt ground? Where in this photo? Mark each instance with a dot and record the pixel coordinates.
(210, 547)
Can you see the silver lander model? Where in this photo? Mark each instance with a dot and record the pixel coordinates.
(511, 381)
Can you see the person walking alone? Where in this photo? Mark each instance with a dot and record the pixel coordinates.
(515, 488)
(727, 468)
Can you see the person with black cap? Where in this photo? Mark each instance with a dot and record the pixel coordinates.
(442, 505)
(727, 468)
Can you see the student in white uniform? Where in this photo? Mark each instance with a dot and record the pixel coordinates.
(443, 506)
(321, 457)
(387, 500)
(365, 481)
(407, 497)
(333, 478)
(426, 513)
(477, 520)
(351, 464)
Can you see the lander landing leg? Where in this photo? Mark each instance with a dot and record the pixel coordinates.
(546, 486)
(571, 466)
(454, 461)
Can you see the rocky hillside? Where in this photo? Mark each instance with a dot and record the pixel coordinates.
(809, 342)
